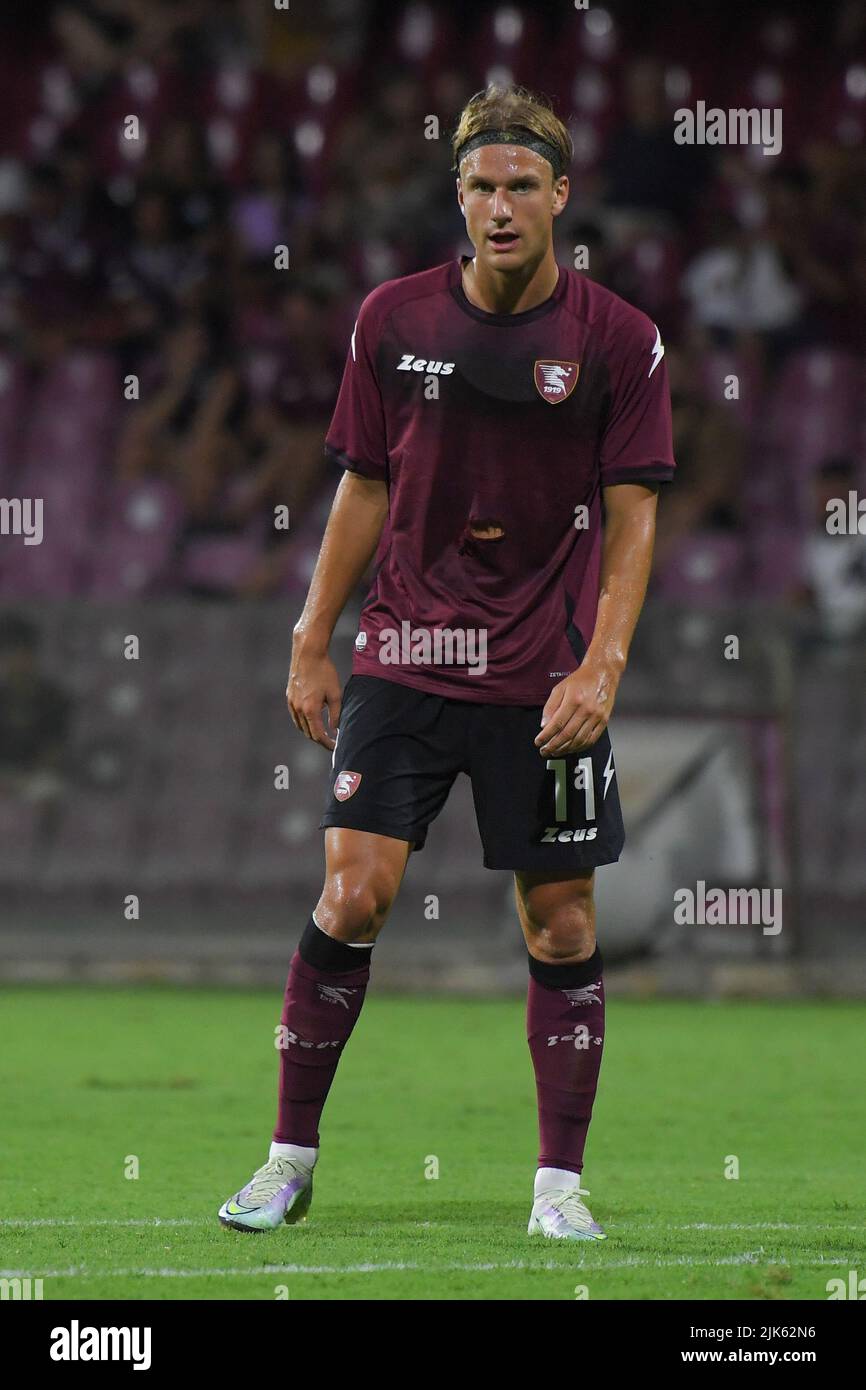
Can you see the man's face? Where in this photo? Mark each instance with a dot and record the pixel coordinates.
(510, 198)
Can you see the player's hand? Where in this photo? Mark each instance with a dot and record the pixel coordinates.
(313, 684)
(577, 711)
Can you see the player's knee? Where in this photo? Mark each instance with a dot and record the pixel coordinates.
(354, 909)
(563, 945)
(563, 931)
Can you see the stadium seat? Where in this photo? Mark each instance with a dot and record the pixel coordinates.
(186, 841)
(816, 404)
(508, 44)
(95, 845)
(133, 551)
(49, 570)
(279, 842)
(775, 561)
(19, 824)
(221, 562)
(815, 411)
(650, 272)
(85, 384)
(707, 568)
(14, 412)
(424, 39)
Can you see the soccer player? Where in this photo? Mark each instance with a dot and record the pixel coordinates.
(504, 424)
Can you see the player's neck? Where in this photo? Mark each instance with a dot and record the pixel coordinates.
(502, 292)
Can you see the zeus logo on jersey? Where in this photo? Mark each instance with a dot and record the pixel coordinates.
(410, 363)
(554, 833)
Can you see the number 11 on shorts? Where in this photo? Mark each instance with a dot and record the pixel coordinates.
(583, 782)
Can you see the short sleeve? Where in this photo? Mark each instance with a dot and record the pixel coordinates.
(356, 436)
(637, 442)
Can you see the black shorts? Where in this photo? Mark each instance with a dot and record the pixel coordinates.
(399, 751)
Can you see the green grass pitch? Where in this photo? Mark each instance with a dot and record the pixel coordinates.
(184, 1081)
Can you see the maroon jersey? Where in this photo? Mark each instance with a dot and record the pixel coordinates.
(508, 425)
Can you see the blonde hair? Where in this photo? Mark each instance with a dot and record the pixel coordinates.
(509, 107)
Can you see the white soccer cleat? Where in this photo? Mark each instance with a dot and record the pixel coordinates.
(279, 1192)
(561, 1215)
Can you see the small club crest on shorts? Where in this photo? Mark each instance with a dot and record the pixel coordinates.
(347, 784)
(555, 381)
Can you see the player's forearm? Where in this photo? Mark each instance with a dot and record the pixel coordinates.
(354, 527)
(627, 552)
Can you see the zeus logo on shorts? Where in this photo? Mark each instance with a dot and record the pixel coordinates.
(553, 834)
(410, 363)
(347, 784)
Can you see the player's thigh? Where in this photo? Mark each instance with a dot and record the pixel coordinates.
(363, 873)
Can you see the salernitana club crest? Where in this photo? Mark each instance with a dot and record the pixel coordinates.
(555, 381)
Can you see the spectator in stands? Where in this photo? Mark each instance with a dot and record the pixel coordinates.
(832, 227)
(804, 254)
(377, 159)
(274, 452)
(645, 174)
(182, 428)
(157, 266)
(835, 563)
(34, 717)
(180, 164)
(709, 449)
(52, 266)
(264, 214)
(99, 36)
(742, 294)
(787, 270)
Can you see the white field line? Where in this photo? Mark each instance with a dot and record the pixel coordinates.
(768, 1226)
(101, 1221)
(640, 1223)
(748, 1257)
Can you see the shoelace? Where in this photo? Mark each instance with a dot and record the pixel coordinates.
(573, 1208)
(268, 1180)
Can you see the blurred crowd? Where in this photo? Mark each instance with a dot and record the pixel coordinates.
(277, 167)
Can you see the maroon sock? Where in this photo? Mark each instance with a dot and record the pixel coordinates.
(565, 1028)
(324, 993)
